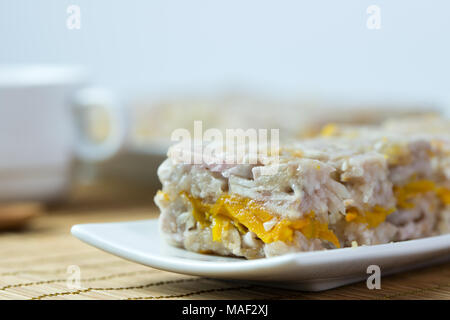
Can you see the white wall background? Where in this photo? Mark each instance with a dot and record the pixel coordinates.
(283, 47)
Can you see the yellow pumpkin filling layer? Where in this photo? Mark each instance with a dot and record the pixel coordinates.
(247, 214)
(404, 195)
(372, 218)
(444, 195)
(407, 192)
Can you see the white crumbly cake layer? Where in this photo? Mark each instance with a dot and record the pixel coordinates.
(351, 185)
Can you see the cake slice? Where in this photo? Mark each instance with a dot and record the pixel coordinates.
(432, 184)
(353, 186)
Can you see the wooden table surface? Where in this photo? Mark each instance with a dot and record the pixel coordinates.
(34, 264)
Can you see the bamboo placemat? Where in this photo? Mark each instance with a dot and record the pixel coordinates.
(34, 264)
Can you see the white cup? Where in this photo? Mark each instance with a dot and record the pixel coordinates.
(41, 126)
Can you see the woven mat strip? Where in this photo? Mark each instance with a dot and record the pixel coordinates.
(34, 262)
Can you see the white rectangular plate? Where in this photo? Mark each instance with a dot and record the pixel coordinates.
(140, 241)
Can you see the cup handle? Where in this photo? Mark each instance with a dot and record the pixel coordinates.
(84, 100)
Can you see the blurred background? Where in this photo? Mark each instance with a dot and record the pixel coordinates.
(293, 65)
(287, 48)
